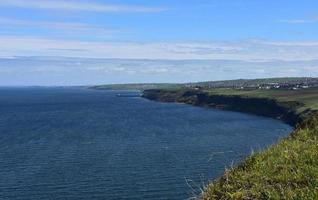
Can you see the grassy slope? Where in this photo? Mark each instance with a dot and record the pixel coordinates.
(309, 97)
(241, 82)
(287, 170)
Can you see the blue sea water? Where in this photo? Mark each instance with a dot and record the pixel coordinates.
(73, 143)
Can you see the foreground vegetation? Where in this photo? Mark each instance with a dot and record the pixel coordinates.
(287, 170)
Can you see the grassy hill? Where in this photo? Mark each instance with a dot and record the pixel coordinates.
(307, 97)
(287, 170)
(255, 82)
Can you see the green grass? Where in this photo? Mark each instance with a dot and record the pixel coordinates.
(309, 97)
(252, 82)
(287, 170)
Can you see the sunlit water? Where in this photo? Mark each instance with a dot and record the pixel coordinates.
(68, 143)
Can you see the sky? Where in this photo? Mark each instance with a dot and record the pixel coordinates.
(79, 42)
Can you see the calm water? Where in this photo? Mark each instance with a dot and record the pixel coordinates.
(83, 144)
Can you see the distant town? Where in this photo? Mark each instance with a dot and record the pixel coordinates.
(261, 84)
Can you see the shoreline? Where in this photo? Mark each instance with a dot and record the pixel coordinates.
(256, 106)
(267, 174)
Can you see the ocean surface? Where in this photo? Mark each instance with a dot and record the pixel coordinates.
(73, 143)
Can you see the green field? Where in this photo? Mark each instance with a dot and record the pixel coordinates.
(254, 82)
(309, 97)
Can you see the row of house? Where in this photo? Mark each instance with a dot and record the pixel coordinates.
(243, 85)
(290, 85)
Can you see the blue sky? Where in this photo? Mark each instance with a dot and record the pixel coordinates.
(252, 31)
(164, 20)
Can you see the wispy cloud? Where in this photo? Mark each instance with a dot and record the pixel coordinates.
(71, 5)
(49, 25)
(299, 21)
(57, 29)
(235, 50)
(308, 20)
(79, 71)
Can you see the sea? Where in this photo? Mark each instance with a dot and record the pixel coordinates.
(73, 143)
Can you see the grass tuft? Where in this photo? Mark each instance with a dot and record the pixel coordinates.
(287, 170)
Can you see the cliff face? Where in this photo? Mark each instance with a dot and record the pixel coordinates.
(284, 111)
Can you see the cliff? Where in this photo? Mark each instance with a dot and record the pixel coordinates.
(286, 170)
(285, 111)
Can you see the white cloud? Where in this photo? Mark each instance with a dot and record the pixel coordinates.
(288, 43)
(309, 20)
(71, 5)
(299, 21)
(64, 26)
(58, 29)
(68, 71)
(236, 50)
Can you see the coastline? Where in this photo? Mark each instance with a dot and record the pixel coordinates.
(257, 106)
(267, 174)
